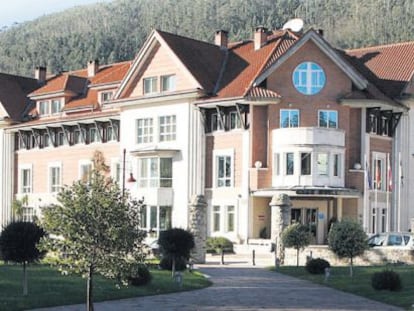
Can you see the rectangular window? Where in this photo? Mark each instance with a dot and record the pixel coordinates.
(43, 108)
(85, 171)
(322, 164)
(150, 85)
(289, 163)
(46, 140)
(167, 128)
(216, 124)
(230, 218)
(306, 164)
(276, 164)
(165, 218)
(328, 118)
(224, 168)
(143, 217)
(110, 134)
(60, 138)
(144, 131)
(93, 135)
(28, 214)
(56, 106)
(336, 165)
(168, 83)
(106, 96)
(155, 172)
(374, 221)
(289, 118)
(26, 180)
(77, 138)
(153, 217)
(216, 218)
(235, 122)
(54, 178)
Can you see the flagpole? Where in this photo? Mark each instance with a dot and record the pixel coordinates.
(366, 195)
(399, 191)
(375, 221)
(388, 193)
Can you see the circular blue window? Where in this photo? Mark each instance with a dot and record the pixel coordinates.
(309, 78)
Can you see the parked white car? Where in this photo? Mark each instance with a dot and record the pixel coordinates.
(392, 239)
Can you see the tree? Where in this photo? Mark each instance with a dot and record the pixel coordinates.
(296, 236)
(347, 239)
(18, 243)
(176, 244)
(95, 229)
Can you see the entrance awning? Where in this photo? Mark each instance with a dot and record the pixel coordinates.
(310, 192)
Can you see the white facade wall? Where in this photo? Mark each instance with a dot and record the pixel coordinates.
(187, 152)
(6, 180)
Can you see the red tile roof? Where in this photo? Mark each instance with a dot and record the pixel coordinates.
(390, 67)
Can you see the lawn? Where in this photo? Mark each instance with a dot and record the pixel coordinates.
(47, 287)
(360, 284)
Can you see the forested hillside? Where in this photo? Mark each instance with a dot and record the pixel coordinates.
(115, 31)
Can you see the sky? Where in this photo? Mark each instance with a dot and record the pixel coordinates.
(19, 11)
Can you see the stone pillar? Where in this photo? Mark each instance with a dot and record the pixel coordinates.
(198, 227)
(280, 206)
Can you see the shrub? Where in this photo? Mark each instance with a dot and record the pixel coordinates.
(386, 279)
(180, 263)
(140, 275)
(317, 266)
(215, 244)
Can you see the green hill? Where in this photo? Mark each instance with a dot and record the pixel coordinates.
(113, 32)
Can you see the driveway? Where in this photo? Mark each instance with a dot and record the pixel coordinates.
(238, 286)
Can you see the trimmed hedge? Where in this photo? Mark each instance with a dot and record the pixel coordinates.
(317, 266)
(215, 244)
(386, 279)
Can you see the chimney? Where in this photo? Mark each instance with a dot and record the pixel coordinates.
(221, 38)
(260, 37)
(40, 74)
(320, 32)
(93, 67)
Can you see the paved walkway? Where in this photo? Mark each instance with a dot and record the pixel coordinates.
(239, 286)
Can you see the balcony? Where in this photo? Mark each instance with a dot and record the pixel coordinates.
(301, 136)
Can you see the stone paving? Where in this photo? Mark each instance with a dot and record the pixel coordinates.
(239, 286)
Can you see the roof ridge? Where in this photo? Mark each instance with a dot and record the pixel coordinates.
(186, 38)
(380, 46)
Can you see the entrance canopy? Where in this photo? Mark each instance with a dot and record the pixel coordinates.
(309, 191)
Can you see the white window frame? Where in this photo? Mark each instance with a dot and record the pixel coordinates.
(228, 213)
(276, 164)
(26, 188)
(328, 112)
(148, 180)
(306, 78)
(381, 174)
(51, 187)
(105, 96)
(216, 155)
(53, 106)
(93, 135)
(216, 211)
(285, 163)
(151, 83)
(46, 106)
(116, 170)
(146, 127)
(319, 165)
(290, 111)
(337, 157)
(82, 163)
(237, 121)
(167, 128)
(219, 125)
(168, 83)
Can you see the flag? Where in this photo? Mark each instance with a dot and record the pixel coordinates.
(368, 173)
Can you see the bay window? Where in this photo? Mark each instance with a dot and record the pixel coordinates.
(155, 172)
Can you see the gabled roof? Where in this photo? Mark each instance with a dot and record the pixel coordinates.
(13, 94)
(356, 77)
(390, 67)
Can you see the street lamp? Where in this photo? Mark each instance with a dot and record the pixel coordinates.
(131, 178)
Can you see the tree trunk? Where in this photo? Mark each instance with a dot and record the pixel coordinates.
(173, 267)
(24, 279)
(297, 257)
(89, 287)
(351, 272)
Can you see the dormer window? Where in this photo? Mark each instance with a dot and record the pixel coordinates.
(106, 96)
(168, 83)
(43, 108)
(150, 85)
(56, 106)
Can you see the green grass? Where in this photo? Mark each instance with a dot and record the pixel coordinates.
(360, 284)
(47, 287)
